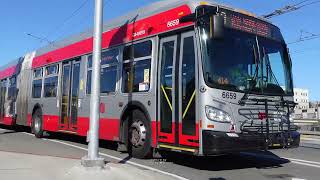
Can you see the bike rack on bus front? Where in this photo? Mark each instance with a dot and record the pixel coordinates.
(255, 114)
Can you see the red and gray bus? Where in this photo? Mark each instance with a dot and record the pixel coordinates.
(178, 75)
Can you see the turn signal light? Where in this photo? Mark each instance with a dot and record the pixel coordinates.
(210, 126)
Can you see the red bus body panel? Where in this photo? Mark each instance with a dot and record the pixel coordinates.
(143, 28)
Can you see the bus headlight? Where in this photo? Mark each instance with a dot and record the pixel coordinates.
(215, 114)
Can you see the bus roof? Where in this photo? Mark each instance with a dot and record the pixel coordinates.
(133, 16)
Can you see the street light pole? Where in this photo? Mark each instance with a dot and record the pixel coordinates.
(93, 159)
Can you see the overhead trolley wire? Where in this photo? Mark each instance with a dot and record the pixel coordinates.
(314, 2)
(290, 8)
(46, 38)
(305, 36)
(86, 19)
(74, 13)
(308, 38)
(66, 20)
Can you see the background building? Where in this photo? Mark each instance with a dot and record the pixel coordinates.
(305, 109)
(301, 97)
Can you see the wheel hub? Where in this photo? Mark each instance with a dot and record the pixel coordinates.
(37, 125)
(138, 133)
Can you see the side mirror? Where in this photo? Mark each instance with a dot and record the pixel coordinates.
(217, 27)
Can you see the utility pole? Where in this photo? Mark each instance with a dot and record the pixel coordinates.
(93, 159)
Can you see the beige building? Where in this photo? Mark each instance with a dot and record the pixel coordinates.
(301, 97)
(305, 109)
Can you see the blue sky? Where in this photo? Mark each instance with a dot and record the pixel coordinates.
(45, 19)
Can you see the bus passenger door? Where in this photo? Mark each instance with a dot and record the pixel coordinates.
(69, 95)
(177, 122)
(188, 122)
(167, 107)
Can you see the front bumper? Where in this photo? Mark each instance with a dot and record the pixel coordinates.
(215, 143)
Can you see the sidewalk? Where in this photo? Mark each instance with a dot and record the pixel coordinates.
(16, 166)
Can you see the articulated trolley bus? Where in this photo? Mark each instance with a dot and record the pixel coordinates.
(178, 75)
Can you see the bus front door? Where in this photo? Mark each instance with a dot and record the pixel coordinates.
(70, 95)
(178, 125)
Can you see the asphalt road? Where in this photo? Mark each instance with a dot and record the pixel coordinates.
(293, 164)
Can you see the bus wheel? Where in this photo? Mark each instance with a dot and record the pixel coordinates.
(37, 124)
(140, 136)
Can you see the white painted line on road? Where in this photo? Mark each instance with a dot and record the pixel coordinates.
(116, 158)
(305, 164)
(304, 161)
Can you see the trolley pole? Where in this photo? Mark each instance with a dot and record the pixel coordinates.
(93, 159)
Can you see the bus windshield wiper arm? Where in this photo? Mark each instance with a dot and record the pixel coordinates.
(257, 58)
(269, 69)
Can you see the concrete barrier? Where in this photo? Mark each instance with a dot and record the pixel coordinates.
(313, 133)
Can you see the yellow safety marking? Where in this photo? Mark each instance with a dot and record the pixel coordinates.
(189, 104)
(165, 94)
(168, 88)
(177, 148)
(69, 132)
(204, 3)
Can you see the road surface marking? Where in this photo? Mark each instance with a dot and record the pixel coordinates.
(304, 161)
(305, 164)
(293, 160)
(114, 157)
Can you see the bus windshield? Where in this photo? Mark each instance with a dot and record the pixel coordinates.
(245, 62)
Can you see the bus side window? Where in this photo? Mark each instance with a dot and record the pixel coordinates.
(51, 81)
(137, 67)
(37, 83)
(136, 76)
(50, 86)
(12, 88)
(36, 88)
(108, 73)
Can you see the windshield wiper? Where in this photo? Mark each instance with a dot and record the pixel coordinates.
(257, 58)
(272, 75)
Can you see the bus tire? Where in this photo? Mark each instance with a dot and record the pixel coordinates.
(37, 126)
(139, 136)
